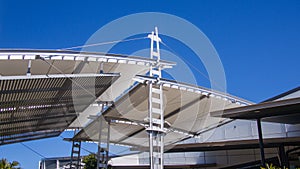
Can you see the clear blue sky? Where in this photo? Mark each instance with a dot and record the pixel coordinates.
(258, 43)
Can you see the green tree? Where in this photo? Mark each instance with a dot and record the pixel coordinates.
(4, 164)
(90, 161)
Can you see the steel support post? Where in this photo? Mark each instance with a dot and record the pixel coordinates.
(99, 139)
(282, 156)
(261, 143)
(162, 121)
(150, 126)
(107, 144)
(103, 152)
(99, 145)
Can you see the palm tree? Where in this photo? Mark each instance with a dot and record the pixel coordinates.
(4, 164)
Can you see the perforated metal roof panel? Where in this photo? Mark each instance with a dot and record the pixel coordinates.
(29, 136)
(15, 62)
(186, 113)
(46, 102)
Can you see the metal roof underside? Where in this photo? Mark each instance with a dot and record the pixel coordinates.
(14, 62)
(233, 145)
(281, 111)
(39, 106)
(186, 114)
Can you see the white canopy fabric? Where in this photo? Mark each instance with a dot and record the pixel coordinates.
(186, 113)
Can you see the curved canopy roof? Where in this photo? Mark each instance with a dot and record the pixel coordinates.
(186, 113)
(34, 82)
(44, 62)
(38, 106)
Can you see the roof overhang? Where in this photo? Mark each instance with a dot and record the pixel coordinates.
(233, 145)
(65, 55)
(15, 62)
(38, 106)
(280, 111)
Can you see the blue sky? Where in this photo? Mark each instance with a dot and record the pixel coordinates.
(257, 41)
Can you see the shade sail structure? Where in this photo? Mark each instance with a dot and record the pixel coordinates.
(186, 113)
(38, 106)
(46, 62)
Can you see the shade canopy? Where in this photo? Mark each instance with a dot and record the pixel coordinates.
(186, 113)
(16, 62)
(38, 106)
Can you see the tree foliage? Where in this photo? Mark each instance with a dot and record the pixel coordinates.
(4, 164)
(271, 166)
(90, 161)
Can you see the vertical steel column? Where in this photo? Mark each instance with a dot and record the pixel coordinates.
(57, 164)
(162, 121)
(261, 143)
(44, 164)
(107, 144)
(99, 143)
(150, 126)
(282, 156)
(160, 141)
(155, 106)
(103, 152)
